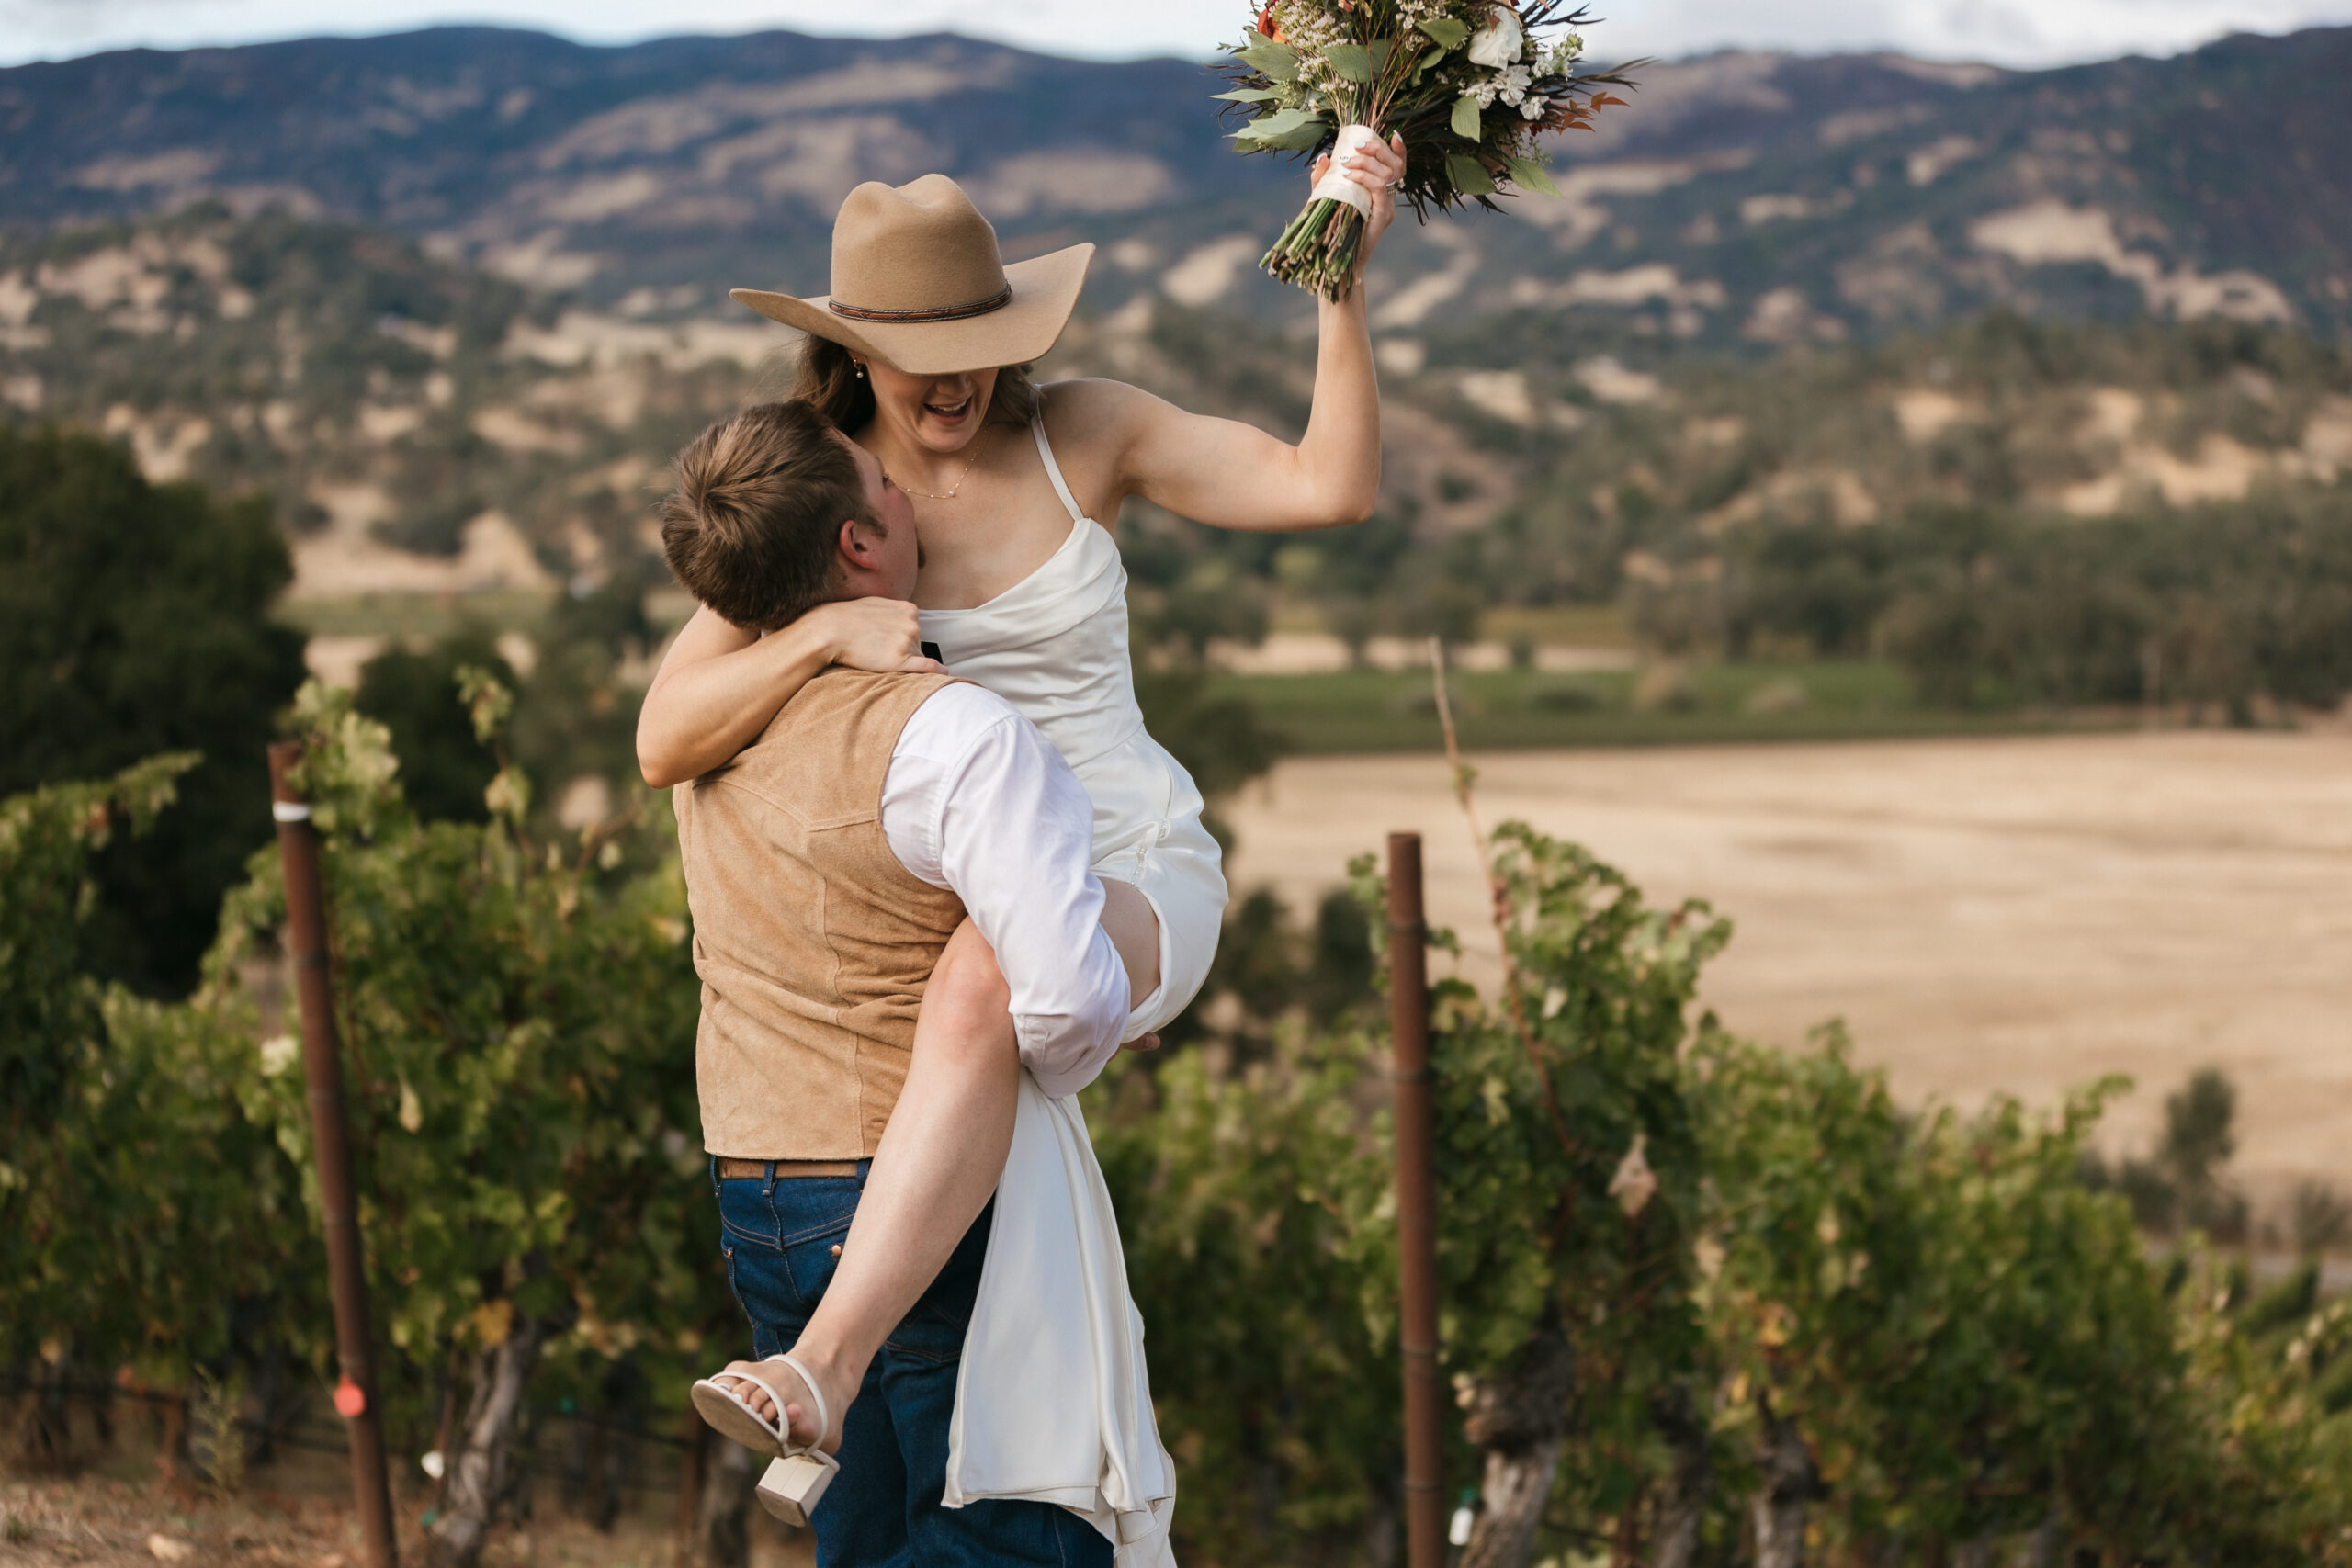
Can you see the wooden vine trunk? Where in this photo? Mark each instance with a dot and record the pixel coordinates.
(1788, 1483)
(477, 1477)
(1682, 1506)
(1518, 1485)
(1520, 1420)
(722, 1537)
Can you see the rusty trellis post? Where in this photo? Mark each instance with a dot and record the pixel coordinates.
(1409, 1003)
(306, 936)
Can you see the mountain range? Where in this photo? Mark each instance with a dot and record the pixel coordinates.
(1739, 199)
(453, 298)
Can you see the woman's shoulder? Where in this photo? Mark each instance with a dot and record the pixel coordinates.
(1090, 406)
(1093, 419)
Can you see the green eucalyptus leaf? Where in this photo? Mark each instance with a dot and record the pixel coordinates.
(1465, 118)
(1277, 61)
(1529, 175)
(1291, 131)
(1351, 62)
(1468, 175)
(1446, 31)
(1248, 95)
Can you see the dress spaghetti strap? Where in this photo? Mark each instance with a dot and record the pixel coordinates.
(1053, 470)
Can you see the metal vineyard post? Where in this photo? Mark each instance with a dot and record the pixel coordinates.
(1408, 1004)
(306, 940)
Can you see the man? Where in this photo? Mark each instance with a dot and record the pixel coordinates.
(829, 868)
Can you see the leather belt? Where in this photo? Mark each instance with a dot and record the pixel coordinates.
(785, 1169)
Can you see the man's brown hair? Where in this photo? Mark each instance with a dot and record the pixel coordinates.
(762, 495)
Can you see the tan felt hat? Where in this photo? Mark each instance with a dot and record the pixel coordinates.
(919, 285)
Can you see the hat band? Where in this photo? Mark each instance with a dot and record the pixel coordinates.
(995, 301)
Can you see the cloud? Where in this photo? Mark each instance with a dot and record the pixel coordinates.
(2011, 32)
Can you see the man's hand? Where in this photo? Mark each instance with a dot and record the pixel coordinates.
(1142, 1042)
(881, 635)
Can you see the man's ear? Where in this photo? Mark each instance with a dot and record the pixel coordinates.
(859, 546)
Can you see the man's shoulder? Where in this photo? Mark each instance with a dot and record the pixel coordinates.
(953, 719)
(838, 716)
(838, 696)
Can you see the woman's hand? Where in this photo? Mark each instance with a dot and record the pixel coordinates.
(1378, 166)
(881, 635)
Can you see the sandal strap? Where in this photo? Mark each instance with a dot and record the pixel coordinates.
(816, 1394)
(781, 1427)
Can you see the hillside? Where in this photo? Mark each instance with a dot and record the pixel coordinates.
(1743, 198)
(425, 426)
(1780, 301)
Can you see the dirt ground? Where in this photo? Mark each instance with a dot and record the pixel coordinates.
(2015, 916)
(300, 1516)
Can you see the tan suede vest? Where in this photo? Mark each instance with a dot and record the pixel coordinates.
(813, 942)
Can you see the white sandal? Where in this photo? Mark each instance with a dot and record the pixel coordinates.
(795, 1484)
(798, 1475)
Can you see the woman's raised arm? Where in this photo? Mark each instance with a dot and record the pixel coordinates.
(719, 685)
(1231, 475)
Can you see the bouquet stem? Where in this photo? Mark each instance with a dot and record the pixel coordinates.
(1317, 249)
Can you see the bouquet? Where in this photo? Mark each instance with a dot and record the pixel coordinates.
(1470, 85)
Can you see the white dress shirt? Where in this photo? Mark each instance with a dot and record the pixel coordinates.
(978, 802)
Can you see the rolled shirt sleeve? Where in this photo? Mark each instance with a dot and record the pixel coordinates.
(978, 801)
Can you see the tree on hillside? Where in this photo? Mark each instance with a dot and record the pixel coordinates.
(134, 620)
(443, 766)
(575, 714)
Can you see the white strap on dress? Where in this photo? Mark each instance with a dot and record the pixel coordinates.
(1053, 470)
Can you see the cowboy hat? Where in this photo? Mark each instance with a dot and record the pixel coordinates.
(919, 284)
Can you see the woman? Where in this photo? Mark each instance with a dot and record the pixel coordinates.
(920, 354)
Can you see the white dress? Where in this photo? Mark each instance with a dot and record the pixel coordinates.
(1053, 1403)
(1055, 646)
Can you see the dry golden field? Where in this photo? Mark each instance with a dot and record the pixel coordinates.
(1988, 916)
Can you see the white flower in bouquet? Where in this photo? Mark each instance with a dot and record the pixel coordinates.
(1498, 42)
(1561, 58)
(1436, 77)
(1511, 84)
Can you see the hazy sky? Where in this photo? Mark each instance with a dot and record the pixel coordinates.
(2014, 32)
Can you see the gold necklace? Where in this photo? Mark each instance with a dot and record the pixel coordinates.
(950, 495)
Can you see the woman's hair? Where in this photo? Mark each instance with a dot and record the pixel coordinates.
(828, 381)
(761, 498)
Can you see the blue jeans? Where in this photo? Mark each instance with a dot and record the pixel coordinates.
(884, 1507)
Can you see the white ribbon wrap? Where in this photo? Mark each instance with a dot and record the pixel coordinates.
(1339, 185)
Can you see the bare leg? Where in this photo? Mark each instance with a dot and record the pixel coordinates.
(1133, 930)
(938, 1164)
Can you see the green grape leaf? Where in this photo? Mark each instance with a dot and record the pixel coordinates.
(1465, 118)
(1446, 30)
(1467, 175)
(1529, 175)
(1352, 62)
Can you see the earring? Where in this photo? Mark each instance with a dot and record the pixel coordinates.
(860, 372)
